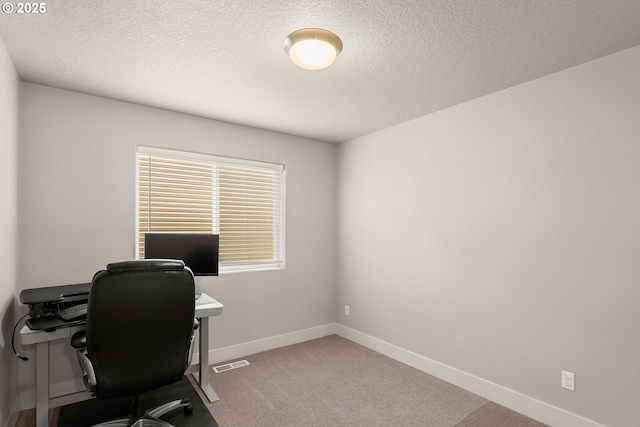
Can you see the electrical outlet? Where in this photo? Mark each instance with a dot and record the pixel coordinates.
(346, 310)
(568, 381)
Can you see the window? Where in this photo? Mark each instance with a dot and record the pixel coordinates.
(241, 200)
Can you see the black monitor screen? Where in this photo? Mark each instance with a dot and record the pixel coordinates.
(198, 251)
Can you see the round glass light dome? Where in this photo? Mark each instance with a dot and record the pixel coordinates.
(312, 48)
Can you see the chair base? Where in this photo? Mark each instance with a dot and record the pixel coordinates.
(150, 419)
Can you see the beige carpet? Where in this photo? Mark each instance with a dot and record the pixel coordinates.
(332, 381)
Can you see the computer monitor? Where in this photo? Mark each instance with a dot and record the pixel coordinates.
(198, 251)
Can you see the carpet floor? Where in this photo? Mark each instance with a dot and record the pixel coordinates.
(332, 381)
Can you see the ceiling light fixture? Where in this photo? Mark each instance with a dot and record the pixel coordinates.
(312, 48)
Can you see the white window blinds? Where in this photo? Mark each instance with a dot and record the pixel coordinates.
(242, 201)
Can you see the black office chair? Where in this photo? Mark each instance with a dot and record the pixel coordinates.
(140, 328)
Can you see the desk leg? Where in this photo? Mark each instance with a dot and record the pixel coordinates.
(203, 376)
(42, 384)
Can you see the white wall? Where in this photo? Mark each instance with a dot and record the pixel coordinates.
(501, 237)
(9, 124)
(78, 199)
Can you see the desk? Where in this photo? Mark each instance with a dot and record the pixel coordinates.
(205, 307)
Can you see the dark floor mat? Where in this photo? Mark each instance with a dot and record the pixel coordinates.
(96, 411)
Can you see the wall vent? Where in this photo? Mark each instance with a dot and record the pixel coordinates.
(229, 366)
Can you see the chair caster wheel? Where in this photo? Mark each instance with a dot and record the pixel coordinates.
(188, 409)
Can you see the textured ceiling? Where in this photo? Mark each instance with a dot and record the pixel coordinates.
(224, 59)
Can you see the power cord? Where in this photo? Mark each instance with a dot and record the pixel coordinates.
(13, 336)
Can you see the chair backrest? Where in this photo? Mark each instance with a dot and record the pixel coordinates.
(139, 325)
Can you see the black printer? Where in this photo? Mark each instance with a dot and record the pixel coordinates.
(44, 303)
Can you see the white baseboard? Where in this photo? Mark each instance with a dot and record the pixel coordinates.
(508, 398)
(13, 419)
(225, 354)
(56, 389)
